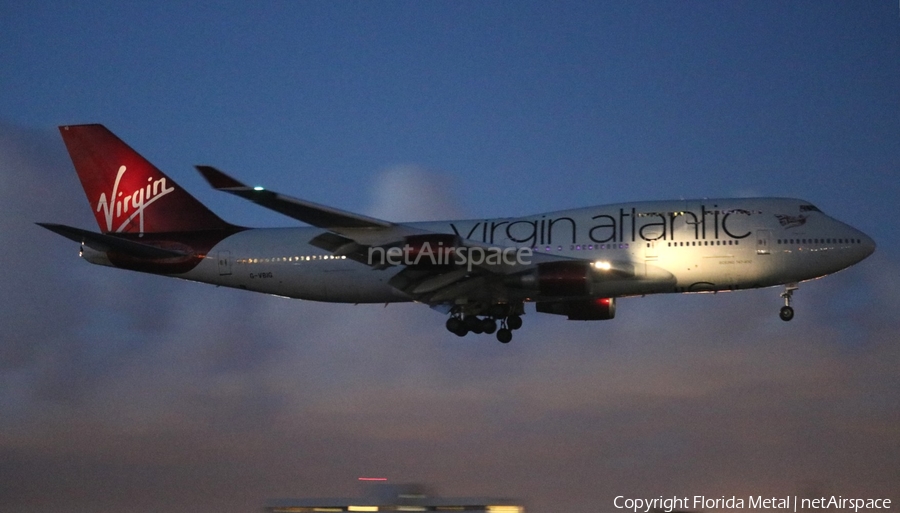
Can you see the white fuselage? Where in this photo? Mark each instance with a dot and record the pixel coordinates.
(672, 246)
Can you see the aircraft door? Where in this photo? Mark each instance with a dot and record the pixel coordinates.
(651, 256)
(763, 241)
(224, 263)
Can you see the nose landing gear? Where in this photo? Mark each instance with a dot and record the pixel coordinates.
(787, 311)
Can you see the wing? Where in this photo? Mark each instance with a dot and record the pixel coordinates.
(357, 227)
(469, 272)
(350, 234)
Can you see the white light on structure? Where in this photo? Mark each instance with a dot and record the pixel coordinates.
(602, 265)
(258, 188)
(362, 508)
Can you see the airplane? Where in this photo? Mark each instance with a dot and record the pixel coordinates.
(480, 272)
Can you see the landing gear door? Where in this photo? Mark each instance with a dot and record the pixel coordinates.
(224, 263)
(763, 242)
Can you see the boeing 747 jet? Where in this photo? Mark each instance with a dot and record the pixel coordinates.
(480, 272)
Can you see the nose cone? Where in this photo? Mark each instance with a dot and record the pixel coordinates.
(862, 249)
(867, 245)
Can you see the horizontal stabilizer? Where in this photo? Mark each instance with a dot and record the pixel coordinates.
(306, 211)
(101, 242)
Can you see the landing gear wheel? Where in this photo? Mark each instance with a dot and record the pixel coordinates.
(504, 335)
(514, 322)
(489, 326)
(474, 324)
(454, 324)
(786, 313)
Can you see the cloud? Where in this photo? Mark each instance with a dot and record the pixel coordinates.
(121, 390)
(413, 193)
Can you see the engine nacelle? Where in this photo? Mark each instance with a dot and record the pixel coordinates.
(427, 250)
(559, 279)
(600, 309)
(430, 244)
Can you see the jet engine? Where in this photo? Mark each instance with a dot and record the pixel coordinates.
(600, 309)
(431, 244)
(420, 251)
(558, 279)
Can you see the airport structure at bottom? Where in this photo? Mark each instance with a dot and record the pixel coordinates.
(384, 497)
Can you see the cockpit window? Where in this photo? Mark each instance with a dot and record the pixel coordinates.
(808, 208)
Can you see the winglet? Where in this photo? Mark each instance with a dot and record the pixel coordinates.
(219, 180)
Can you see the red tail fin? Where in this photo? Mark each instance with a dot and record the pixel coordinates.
(127, 193)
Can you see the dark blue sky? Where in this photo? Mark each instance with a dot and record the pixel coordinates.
(526, 106)
(118, 388)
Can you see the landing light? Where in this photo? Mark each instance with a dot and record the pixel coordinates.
(259, 188)
(602, 265)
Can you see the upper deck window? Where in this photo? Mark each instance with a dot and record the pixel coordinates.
(808, 208)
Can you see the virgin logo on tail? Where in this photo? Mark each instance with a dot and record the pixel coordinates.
(132, 205)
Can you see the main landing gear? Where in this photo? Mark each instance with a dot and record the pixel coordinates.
(787, 311)
(461, 326)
